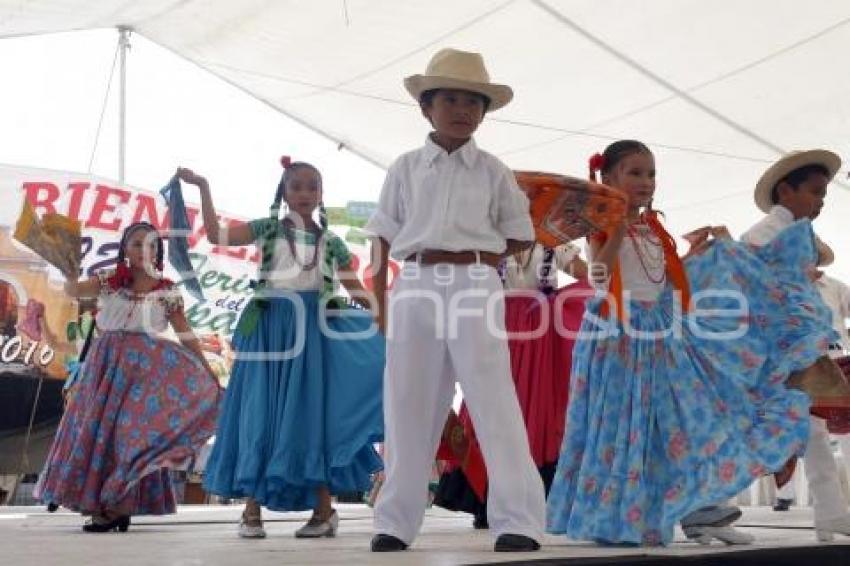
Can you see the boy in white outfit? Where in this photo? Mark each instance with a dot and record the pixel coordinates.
(836, 295)
(451, 211)
(794, 188)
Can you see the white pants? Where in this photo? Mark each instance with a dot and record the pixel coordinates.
(821, 473)
(438, 332)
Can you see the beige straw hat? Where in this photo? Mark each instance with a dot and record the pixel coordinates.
(791, 162)
(462, 70)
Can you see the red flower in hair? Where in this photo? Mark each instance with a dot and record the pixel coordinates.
(122, 277)
(596, 162)
(286, 161)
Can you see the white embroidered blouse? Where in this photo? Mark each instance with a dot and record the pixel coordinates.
(120, 309)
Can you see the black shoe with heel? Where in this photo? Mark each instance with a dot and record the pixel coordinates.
(120, 524)
(480, 522)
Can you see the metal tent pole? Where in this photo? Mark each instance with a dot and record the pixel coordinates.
(124, 46)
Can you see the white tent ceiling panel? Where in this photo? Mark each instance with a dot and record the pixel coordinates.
(718, 88)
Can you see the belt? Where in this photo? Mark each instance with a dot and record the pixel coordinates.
(434, 257)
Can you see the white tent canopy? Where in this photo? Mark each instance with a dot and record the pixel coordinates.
(717, 89)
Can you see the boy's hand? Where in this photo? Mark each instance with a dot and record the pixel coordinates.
(381, 321)
(813, 273)
(578, 269)
(698, 236)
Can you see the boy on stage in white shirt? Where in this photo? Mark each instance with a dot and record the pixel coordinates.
(451, 211)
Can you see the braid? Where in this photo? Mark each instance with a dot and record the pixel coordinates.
(160, 256)
(323, 217)
(329, 258)
(248, 321)
(274, 210)
(269, 235)
(121, 245)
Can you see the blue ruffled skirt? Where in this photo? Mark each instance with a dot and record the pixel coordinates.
(694, 409)
(306, 418)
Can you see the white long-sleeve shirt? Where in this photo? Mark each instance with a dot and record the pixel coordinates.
(464, 200)
(768, 227)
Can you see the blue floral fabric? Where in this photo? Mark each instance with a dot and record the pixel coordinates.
(687, 410)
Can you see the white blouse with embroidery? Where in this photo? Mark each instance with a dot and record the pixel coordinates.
(122, 310)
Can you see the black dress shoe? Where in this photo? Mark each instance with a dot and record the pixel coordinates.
(387, 543)
(783, 504)
(515, 543)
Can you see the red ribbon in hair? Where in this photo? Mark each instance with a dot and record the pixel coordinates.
(594, 164)
(286, 161)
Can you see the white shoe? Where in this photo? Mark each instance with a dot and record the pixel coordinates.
(713, 515)
(824, 530)
(317, 528)
(251, 531)
(704, 534)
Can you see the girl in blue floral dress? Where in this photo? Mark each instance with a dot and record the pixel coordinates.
(677, 398)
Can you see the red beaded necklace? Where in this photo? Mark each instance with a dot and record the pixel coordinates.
(656, 260)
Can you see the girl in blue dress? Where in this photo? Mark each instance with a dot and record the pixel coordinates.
(302, 409)
(677, 396)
